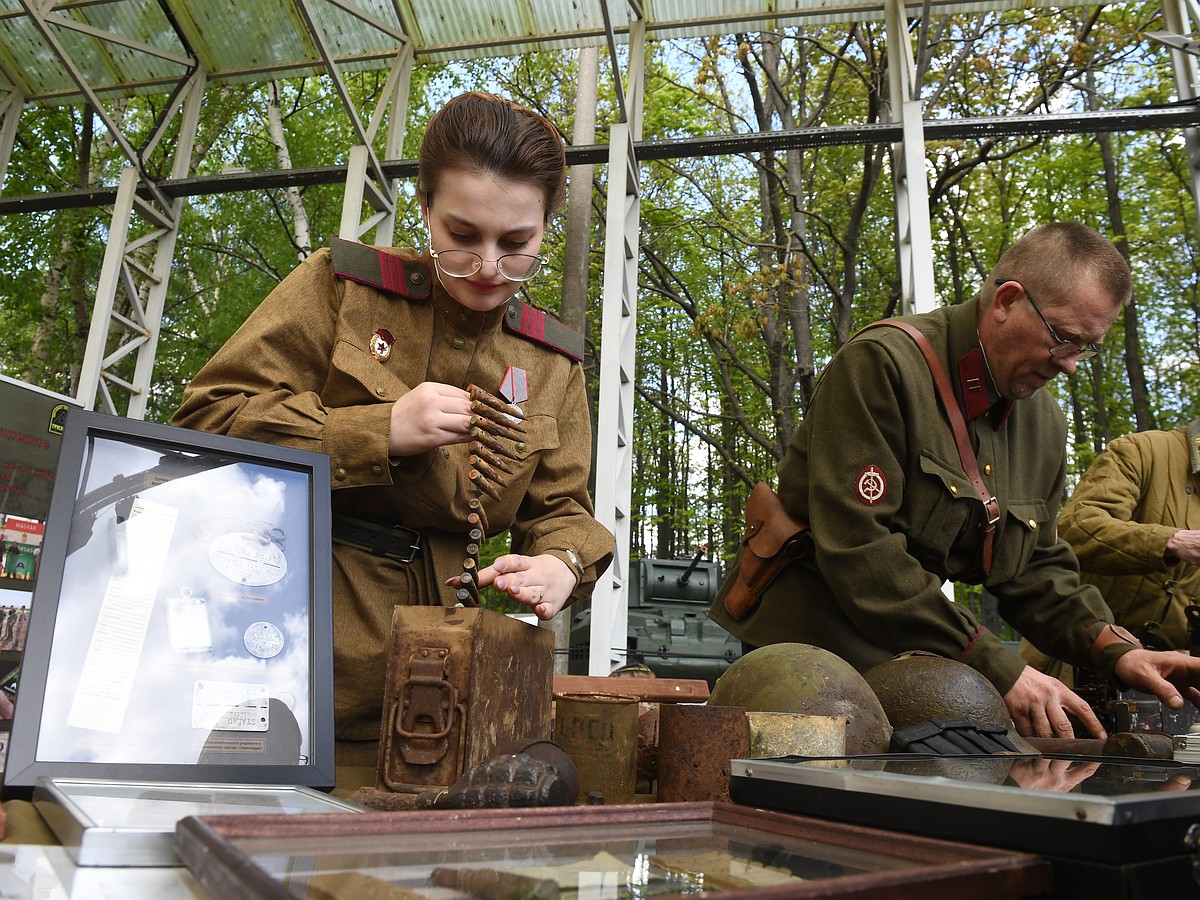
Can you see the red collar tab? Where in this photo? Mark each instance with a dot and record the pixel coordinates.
(521, 318)
(377, 267)
(972, 376)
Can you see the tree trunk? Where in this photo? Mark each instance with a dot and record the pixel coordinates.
(300, 230)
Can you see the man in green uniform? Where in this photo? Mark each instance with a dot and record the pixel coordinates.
(1134, 522)
(875, 470)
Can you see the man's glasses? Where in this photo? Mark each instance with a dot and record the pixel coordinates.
(465, 263)
(1061, 348)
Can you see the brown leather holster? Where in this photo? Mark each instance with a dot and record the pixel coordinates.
(774, 537)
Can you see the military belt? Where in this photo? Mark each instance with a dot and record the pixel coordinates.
(377, 538)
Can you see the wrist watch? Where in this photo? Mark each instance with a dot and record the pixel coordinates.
(574, 563)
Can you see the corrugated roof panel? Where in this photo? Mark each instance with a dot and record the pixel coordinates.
(146, 23)
(256, 39)
(689, 18)
(28, 60)
(232, 37)
(350, 37)
(108, 65)
(105, 64)
(443, 24)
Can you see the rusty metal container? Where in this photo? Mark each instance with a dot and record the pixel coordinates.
(695, 745)
(443, 712)
(600, 734)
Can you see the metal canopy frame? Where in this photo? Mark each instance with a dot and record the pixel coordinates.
(55, 53)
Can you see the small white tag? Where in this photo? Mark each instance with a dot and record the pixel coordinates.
(230, 706)
(188, 630)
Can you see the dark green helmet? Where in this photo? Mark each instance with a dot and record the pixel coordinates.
(801, 678)
(917, 686)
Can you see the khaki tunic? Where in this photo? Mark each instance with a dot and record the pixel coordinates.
(875, 471)
(1141, 490)
(300, 373)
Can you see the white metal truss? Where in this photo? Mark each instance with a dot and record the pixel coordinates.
(135, 274)
(914, 241)
(10, 116)
(362, 181)
(1181, 16)
(618, 330)
(365, 180)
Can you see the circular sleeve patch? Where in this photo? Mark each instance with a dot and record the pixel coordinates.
(871, 485)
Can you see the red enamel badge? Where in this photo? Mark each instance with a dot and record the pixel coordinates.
(871, 485)
(381, 344)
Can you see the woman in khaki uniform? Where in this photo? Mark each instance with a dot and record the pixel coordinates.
(365, 354)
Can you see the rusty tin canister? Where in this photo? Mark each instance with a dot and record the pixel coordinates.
(600, 734)
(695, 745)
(793, 734)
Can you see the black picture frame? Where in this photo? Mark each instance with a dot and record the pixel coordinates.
(181, 625)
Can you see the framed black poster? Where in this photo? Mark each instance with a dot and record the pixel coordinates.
(31, 427)
(181, 627)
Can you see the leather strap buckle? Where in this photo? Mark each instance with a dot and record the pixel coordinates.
(395, 542)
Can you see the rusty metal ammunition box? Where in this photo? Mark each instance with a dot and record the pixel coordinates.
(462, 684)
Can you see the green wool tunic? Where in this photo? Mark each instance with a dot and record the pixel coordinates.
(874, 469)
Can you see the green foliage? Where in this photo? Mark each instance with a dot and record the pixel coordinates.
(753, 266)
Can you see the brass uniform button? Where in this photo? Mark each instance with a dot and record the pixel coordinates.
(445, 453)
(987, 470)
(376, 470)
(1033, 523)
(458, 343)
(954, 488)
(521, 446)
(381, 391)
(339, 474)
(417, 277)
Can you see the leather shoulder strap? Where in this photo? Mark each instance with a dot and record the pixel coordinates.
(521, 318)
(961, 439)
(407, 278)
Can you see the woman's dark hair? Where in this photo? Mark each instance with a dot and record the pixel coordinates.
(489, 134)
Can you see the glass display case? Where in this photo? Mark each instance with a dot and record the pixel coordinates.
(128, 823)
(628, 851)
(1111, 827)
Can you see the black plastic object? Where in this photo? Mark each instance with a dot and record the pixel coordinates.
(952, 737)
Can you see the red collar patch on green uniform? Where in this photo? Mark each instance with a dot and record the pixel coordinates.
(407, 278)
(972, 378)
(521, 318)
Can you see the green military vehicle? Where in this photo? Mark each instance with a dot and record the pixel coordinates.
(669, 630)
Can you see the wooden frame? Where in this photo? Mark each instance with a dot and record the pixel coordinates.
(236, 857)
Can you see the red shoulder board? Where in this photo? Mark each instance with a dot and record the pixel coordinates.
(407, 278)
(521, 318)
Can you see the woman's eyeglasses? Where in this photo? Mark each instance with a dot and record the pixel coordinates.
(465, 263)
